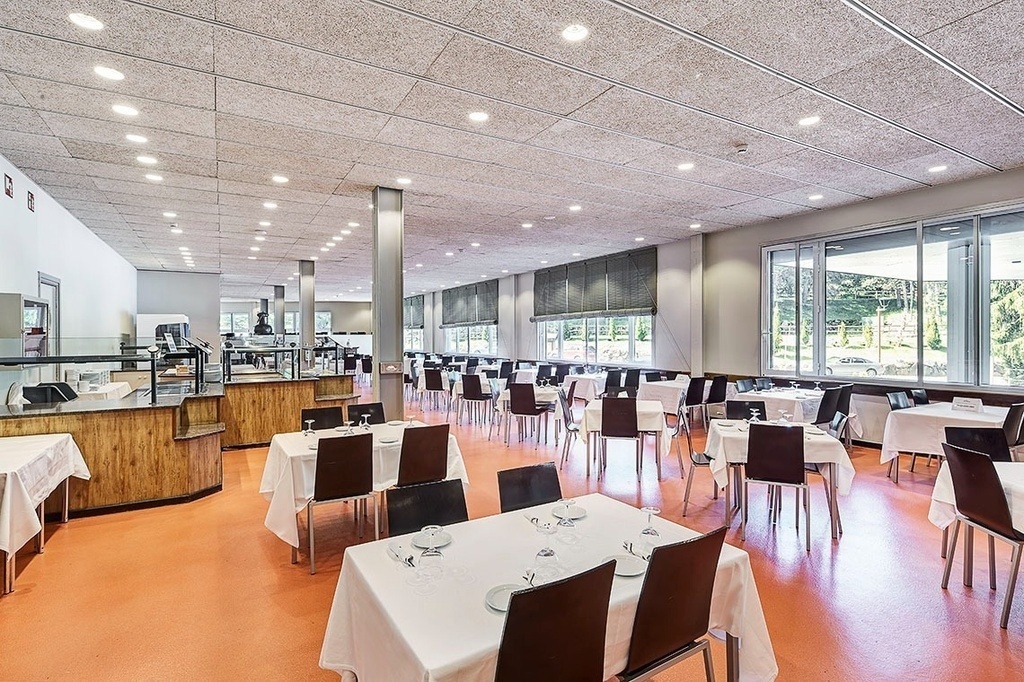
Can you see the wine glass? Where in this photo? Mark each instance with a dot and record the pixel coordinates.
(784, 416)
(365, 422)
(309, 427)
(411, 417)
(650, 529)
(817, 385)
(567, 521)
(755, 414)
(546, 554)
(794, 385)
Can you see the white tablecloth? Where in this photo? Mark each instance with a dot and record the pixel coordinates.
(802, 404)
(31, 467)
(289, 473)
(922, 429)
(112, 391)
(942, 511)
(665, 392)
(379, 629)
(588, 386)
(727, 444)
(525, 376)
(541, 394)
(649, 417)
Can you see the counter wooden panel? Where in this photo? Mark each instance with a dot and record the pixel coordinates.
(253, 412)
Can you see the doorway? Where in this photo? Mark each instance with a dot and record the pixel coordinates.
(49, 292)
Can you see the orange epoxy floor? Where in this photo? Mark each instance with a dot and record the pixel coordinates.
(204, 591)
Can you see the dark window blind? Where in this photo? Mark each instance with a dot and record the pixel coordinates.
(620, 284)
(470, 304)
(412, 312)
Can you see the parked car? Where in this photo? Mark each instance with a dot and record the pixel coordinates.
(852, 366)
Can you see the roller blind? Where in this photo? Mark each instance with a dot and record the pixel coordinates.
(412, 312)
(621, 284)
(470, 304)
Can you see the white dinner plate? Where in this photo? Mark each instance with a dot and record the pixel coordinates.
(396, 423)
(314, 446)
(388, 441)
(442, 539)
(498, 597)
(575, 513)
(628, 565)
(725, 425)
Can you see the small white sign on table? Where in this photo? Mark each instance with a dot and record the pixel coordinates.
(967, 405)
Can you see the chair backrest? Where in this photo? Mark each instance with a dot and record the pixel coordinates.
(349, 363)
(898, 400)
(374, 410)
(987, 441)
(522, 399)
(561, 371)
(471, 363)
(472, 389)
(744, 385)
(433, 379)
(838, 423)
(344, 467)
(632, 378)
(424, 456)
(571, 395)
(828, 406)
(536, 643)
(411, 507)
(491, 373)
(618, 418)
(545, 371)
(1013, 425)
(845, 395)
(563, 402)
(613, 379)
(695, 391)
(978, 491)
(430, 364)
(762, 383)
(324, 417)
(675, 601)
(528, 486)
(775, 453)
(919, 395)
(740, 409)
(367, 364)
(716, 394)
(495, 385)
(671, 375)
(651, 377)
(446, 360)
(504, 369)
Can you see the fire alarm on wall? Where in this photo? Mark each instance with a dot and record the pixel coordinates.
(32, 202)
(8, 185)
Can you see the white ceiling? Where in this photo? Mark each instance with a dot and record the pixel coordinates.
(343, 95)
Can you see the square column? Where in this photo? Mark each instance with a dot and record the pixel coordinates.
(386, 306)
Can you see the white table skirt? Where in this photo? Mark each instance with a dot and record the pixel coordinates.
(588, 386)
(922, 429)
(379, 629)
(727, 444)
(649, 417)
(942, 511)
(665, 392)
(112, 391)
(31, 467)
(290, 471)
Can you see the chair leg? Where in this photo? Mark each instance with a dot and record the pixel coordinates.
(991, 562)
(969, 556)
(950, 553)
(913, 461)
(807, 521)
(1010, 587)
(309, 531)
(689, 482)
(709, 668)
(376, 519)
(743, 512)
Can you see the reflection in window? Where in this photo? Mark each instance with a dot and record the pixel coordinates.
(472, 340)
(626, 340)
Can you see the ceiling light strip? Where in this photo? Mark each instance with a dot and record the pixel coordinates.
(792, 80)
(946, 63)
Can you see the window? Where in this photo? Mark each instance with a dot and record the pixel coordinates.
(413, 339)
(291, 322)
(322, 322)
(472, 340)
(935, 302)
(237, 323)
(412, 321)
(624, 339)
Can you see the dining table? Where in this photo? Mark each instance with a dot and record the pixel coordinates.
(921, 429)
(649, 419)
(588, 386)
(290, 469)
(386, 623)
(728, 441)
(942, 510)
(31, 468)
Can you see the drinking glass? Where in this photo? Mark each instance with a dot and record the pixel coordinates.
(546, 554)
(794, 385)
(309, 427)
(755, 414)
(651, 513)
(566, 521)
(411, 417)
(365, 421)
(817, 385)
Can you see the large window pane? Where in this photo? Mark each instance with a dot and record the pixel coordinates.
(574, 340)
(805, 326)
(225, 323)
(643, 339)
(1002, 304)
(240, 323)
(551, 346)
(322, 321)
(871, 302)
(947, 283)
(781, 290)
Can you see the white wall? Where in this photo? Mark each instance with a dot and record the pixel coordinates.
(732, 280)
(194, 294)
(346, 316)
(672, 325)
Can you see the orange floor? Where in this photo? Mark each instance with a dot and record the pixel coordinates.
(204, 591)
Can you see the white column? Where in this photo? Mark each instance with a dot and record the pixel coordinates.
(307, 303)
(388, 287)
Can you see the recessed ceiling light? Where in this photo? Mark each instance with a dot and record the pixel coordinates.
(353, 224)
(291, 279)
(124, 110)
(937, 169)
(575, 208)
(370, 206)
(336, 238)
(108, 73)
(85, 21)
(295, 274)
(324, 248)
(638, 239)
(153, 177)
(685, 166)
(279, 179)
(251, 257)
(527, 225)
(543, 261)
(358, 287)
(549, 217)
(176, 230)
(504, 270)
(816, 197)
(419, 265)
(254, 248)
(809, 120)
(314, 258)
(269, 204)
(182, 248)
(346, 232)
(458, 282)
(475, 244)
(478, 116)
(148, 160)
(483, 275)
(694, 226)
(190, 265)
(576, 254)
(137, 139)
(329, 245)
(260, 238)
(403, 181)
(170, 214)
(574, 33)
(448, 253)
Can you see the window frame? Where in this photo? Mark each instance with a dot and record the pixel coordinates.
(591, 326)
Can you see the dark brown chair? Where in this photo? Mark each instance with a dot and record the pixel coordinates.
(694, 397)
(845, 398)
(572, 429)
(534, 644)
(744, 385)
(651, 377)
(987, 441)
(424, 456)
(323, 417)
(899, 400)
(473, 398)
(919, 395)
(775, 456)
(697, 459)
(828, 406)
(505, 369)
(524, 408)
(674, 610)
(528, 486)
(436, 387)
(349, 364)
(631, 383)
(374, 412)
(618, 420)
(411, 507)
(1013, 425)
(762, 383)
(344, 473)
(740, 409)
(613, 383)
(716, 395)
(981, 503)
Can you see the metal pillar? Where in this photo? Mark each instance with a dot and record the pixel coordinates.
(279, 311)
(307, 304)
(388, 286)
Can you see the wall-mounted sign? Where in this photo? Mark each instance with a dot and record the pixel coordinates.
(396, 367)
(8, 185)
(32, 202)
